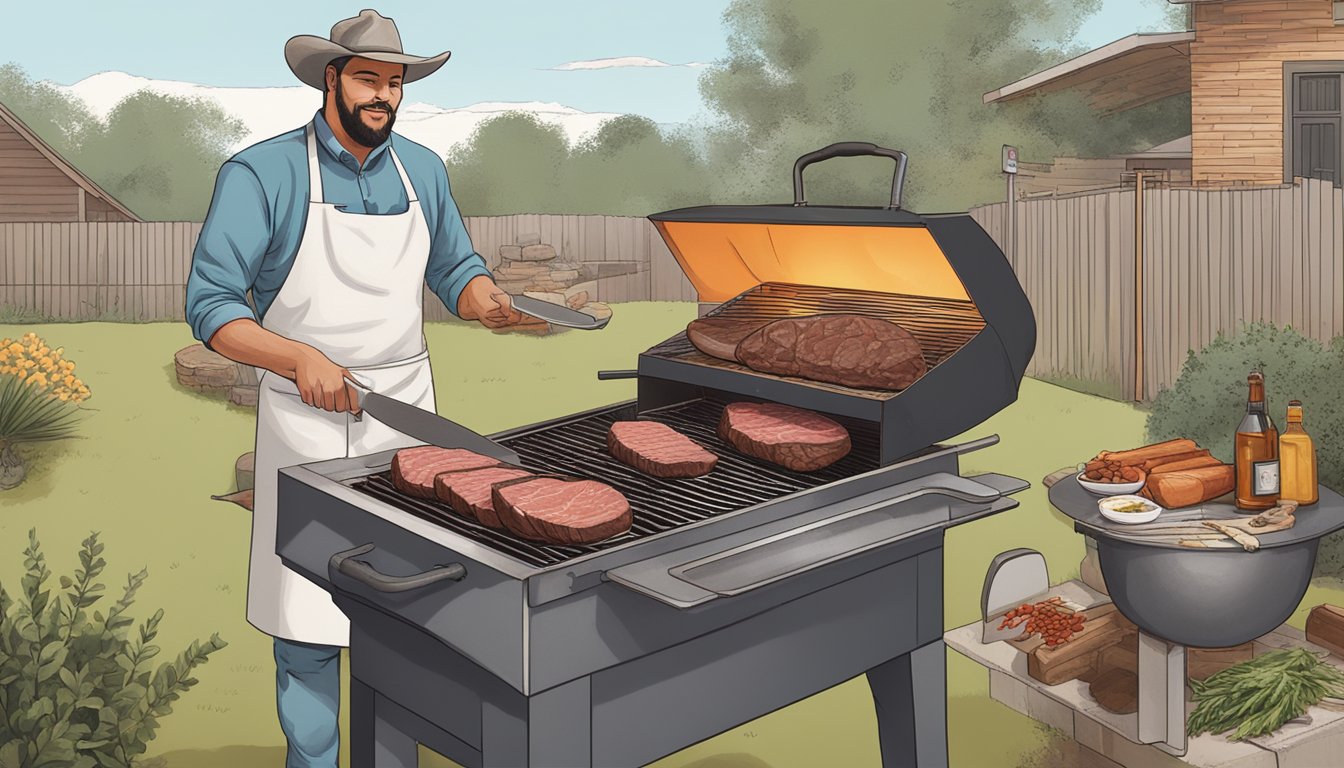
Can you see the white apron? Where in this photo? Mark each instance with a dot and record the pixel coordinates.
(354, 292)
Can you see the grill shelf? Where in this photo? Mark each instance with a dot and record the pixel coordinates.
(942, 326)
(579, 448)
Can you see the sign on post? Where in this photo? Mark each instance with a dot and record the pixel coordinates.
(1009, 159)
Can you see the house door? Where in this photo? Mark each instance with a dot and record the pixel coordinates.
(1317, 140)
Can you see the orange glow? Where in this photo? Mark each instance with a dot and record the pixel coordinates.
(724, 259)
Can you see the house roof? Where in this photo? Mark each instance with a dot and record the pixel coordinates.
(65, 167)
(1125, 74)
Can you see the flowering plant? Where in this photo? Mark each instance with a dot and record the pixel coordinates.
(39, 398)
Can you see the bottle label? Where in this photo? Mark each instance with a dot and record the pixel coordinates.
(1265, 478)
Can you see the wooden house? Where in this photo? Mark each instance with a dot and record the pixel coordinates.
(37, 184)
(1266, 85)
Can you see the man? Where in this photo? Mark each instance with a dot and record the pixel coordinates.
(333, 227)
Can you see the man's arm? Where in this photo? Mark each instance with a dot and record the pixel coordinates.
(456, 273)
(224, 265)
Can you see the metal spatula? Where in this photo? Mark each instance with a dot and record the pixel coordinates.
(556, 314)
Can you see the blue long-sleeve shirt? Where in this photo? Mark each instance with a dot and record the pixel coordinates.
(256, 219)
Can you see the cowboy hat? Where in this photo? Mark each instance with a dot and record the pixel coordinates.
(369, 35)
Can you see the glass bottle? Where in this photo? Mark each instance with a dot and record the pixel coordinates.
(1257, 451)
(1297, 460)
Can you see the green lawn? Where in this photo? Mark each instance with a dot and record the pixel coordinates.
(152, 453)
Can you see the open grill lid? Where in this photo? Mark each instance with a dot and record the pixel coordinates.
(939, 276)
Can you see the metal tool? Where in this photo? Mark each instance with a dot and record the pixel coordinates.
(557, 314)
(427, 425)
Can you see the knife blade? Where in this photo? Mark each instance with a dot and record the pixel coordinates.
(554, 313)
(430, 427)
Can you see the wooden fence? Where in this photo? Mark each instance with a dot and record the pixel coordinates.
(138, 271)
(1212, 259)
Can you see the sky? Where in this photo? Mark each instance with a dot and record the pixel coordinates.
(502, 50)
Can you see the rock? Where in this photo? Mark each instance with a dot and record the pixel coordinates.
(597, 309)
(530, 238)
(553, 298)
(244, 471)
(199, 368)
(243, 395)
(512, 286)
(577, 300)
(538, 253)
(589, 288)
(510, 252)
(614, 268)
(565, 276)
(522, 270)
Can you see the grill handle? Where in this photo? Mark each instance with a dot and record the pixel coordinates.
(372, 578)
(607, 375)
(851, 149)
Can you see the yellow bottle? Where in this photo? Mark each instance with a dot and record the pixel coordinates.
(1297, 460)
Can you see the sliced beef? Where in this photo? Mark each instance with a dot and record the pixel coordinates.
(719, 336)
(561, 511)
(413, 469)
(850, 350)
(657, 449)
(795, 438)
(468, 491)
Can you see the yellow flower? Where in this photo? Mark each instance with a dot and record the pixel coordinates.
(65, 396)
(38, 379)
(22, 373)
(69, 380)
(16, 348)
(47, 362)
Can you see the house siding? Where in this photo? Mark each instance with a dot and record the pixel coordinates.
(1236, 71)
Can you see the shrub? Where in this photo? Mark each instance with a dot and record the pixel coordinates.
(39, 395)
(77, 690)
(1208, 399)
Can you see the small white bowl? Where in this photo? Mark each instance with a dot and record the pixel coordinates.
(1106, 507)
(1109, 489)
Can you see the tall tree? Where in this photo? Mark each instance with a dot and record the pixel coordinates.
(62, 121)
(905, 75)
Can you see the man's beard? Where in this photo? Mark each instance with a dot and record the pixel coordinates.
(355, 126)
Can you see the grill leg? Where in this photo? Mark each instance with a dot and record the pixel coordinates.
(374, 739)
(552, 729)
(910, 694)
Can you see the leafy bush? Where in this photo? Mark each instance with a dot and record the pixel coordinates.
(1208, 399)
(39, 394)
(79, 692)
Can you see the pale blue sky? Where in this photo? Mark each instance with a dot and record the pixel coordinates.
(503, 50)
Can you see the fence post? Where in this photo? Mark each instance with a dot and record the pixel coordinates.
(1139, 176)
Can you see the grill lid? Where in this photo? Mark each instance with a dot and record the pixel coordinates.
(727, 250)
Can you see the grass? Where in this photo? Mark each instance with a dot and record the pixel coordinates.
(152, 453)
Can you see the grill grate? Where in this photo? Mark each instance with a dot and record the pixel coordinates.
(942, 326)
(579, 448)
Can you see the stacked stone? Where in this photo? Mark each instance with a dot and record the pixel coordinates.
(533, 268)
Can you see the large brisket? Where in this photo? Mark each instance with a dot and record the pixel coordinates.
(719, 336)
(850, 350)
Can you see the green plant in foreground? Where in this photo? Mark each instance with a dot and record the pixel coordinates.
(1258, 696)
(77, 689)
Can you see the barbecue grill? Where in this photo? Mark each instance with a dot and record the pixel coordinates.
(733, 594)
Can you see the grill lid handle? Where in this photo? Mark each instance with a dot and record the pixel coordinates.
(371, 577)
(851, 149)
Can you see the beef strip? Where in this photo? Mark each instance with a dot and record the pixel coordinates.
(795, 438)
(657, 449)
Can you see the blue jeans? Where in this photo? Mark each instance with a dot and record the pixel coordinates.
(308, 700)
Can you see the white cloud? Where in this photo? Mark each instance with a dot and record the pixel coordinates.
(619, 62)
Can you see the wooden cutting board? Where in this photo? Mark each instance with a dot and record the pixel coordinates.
(1104, 627)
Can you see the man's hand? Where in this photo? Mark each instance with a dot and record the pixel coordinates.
(324, 384)
(482, 300)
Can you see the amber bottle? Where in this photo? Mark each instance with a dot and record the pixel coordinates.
(1297, 460)
(1257, 452)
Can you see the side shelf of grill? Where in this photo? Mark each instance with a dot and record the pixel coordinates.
(753, 559)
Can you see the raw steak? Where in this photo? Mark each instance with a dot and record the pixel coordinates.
(468, 491)
(561, 511)
(719, 336)
(657, 449)
(413, 469)
(791, 437)
(850, 350)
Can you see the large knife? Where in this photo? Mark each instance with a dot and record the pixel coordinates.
(428, 426)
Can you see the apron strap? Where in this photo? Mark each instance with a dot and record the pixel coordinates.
(314, 173)
(401, 169)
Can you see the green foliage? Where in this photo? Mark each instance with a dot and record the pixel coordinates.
(30, 414)
(1256, 697)
(76, 688)
(157, 154)
(1208, 399)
